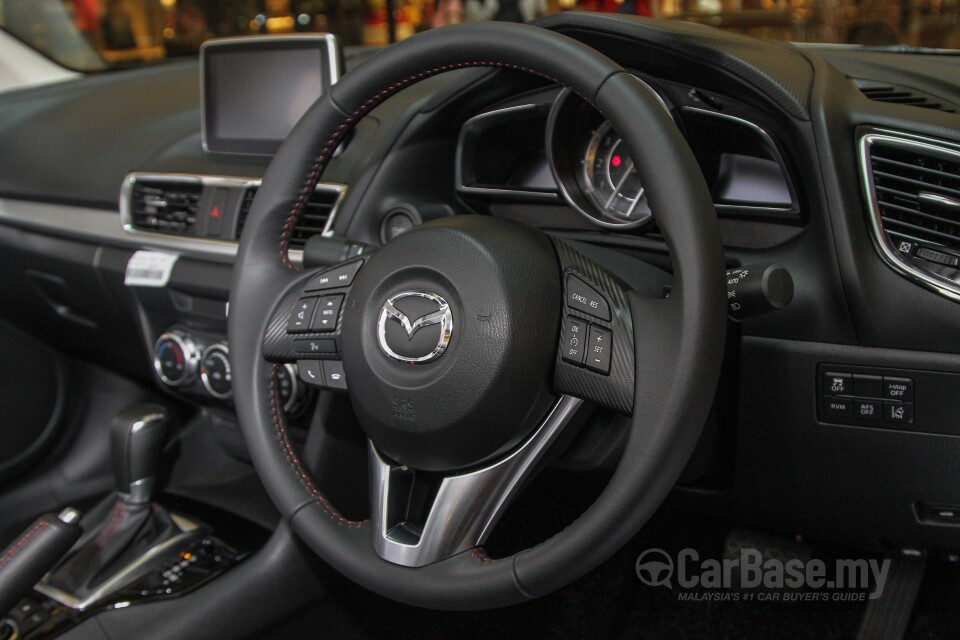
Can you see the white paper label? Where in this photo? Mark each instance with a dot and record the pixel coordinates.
(149, 269)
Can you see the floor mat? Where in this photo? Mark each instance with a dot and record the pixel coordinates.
(610, 602)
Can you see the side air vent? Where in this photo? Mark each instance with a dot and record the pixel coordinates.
(903, 95)
(313, 220)
(165, 206)
(245, 203)
(913, 187)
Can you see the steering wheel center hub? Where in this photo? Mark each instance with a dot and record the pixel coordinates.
(449, 336)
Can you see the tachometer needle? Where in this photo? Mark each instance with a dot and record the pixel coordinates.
(633, 205)
(619, 185)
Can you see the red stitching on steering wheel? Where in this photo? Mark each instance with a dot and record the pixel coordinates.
(320, 162)
(313, 174)
(305, 480)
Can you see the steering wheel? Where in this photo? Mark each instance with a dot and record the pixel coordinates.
(468, 343)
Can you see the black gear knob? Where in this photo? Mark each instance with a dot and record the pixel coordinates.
(136, 442)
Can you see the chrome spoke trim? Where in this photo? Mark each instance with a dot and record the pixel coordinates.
(466, 507)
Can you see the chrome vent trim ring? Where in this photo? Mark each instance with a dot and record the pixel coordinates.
(211, 246)
(868, 138)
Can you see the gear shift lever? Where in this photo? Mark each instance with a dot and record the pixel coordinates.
(136, 442)
(125, 527)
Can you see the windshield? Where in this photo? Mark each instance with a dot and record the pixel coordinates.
(90, 35)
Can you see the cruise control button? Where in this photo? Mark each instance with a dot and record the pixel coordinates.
(583, 297)
(339, 276)
(598, 349)
(301, 315)
(311, 372)
(898, 412)
(837, 406)
(837, 384)
(866, 410)
(328, 310)
(898, 389)
(574, 338)
(333, 375)
(314, 347)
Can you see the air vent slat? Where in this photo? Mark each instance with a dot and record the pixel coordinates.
(902, 171)
(903, 95)
(934, 219)
(923, 184)
(312, 220)
(910, 197)
(923, 232)
(922, 169)
(166, 206)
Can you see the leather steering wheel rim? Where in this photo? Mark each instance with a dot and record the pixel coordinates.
(679, 340)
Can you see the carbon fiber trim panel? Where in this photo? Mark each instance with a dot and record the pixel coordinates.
(278, 345)
(616, 390)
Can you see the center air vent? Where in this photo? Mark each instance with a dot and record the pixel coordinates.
(168, 207)
(913, 187)
(313, 220)
(897, 94)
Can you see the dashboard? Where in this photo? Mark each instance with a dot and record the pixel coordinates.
(840, 164)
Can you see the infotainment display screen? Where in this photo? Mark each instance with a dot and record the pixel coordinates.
(255, 89)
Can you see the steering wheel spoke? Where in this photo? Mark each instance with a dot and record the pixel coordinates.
(595, 358)
(455, 337)
(305, 326)
(422, 518)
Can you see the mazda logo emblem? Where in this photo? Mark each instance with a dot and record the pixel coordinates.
(441, 316)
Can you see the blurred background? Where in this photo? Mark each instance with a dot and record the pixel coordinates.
(126, 32)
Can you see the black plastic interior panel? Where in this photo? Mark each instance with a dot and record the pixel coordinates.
(796, 474)
(28, 370)
(70, 295)
(50, 134)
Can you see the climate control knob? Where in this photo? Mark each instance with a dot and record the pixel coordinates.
(215, 371)
(175, 358)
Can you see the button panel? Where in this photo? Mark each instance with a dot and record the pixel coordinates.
(315, 348)
(838, 406)
(898, 388)
(574, 337)
(586, 344)
(301, 315)
(328, 310)
(865, 386)
(837, 384)
(339, 276)
(866, 410)
(898, 412)
(325, 374)
(599, 343)
(333, 375)
(865, 396)
(583, 297)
